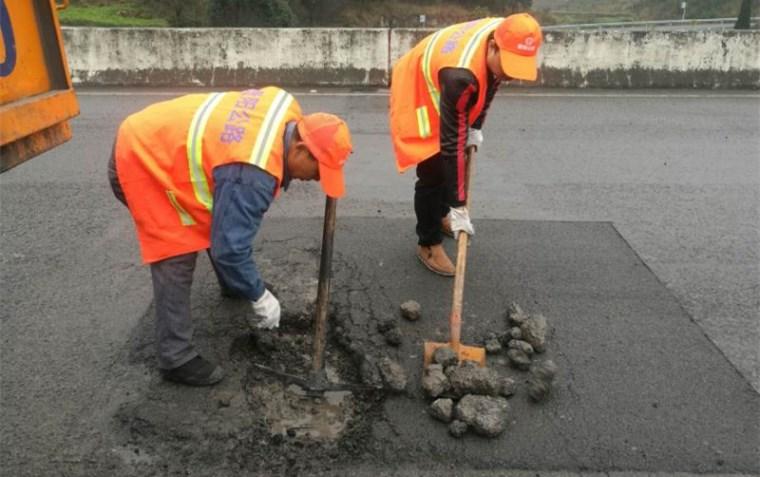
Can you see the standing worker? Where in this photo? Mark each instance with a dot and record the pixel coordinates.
(440, 92)
(198, 173)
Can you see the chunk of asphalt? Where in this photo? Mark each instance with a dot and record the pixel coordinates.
(508, 387)
(445, 356)
(545, 370)
(393, 374)
(515, 332)
(467, 379)
(386, 323)
(434, 381)
(224, 399)
(265, 340)
(369, 372)
(523, 346)
(492, 345)
(411, 310)
(457, 428)
(393, 336)
(534, 332)
(540, 380)
(538, 389)
(518, 359)
(442, 409)
(515, 315)
(486, 415)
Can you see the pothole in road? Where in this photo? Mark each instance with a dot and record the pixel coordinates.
(288, 411)
(252, 420)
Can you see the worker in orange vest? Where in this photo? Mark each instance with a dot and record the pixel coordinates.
(198, 173)
(440, 92)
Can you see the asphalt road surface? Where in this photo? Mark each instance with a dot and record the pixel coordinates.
(630, 219)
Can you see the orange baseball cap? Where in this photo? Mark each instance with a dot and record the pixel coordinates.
(518, 38)
(329, 141)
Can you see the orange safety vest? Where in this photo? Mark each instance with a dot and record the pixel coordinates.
(165, 155)
(415, 90)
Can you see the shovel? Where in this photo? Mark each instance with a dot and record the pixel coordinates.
(464, 352)
(317, 383)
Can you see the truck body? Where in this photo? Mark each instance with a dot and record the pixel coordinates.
(36, 96)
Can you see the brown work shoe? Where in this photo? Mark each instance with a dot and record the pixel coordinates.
(446, 226)
(434, 257)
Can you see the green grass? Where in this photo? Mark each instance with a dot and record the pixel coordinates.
(113, 15)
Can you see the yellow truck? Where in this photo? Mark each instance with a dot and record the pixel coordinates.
(36, 96)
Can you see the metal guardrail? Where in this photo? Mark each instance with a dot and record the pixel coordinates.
(702, 23)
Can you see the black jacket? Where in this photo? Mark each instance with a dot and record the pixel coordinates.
(459, 94)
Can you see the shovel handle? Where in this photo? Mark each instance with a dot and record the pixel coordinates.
(455, 319)
(323, 290)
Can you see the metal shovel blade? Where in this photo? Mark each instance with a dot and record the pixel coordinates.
(464, 353)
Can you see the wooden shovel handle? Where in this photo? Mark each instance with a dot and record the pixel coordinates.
(455, 319)
(323, 290)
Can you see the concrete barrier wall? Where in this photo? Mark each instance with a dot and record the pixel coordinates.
(227, 57)
(698, 59)
(363, 57)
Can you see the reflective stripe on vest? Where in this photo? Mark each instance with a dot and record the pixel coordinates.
(184, 217)
(269, 127)
(465, 58)
(427, 58)
(195, 150)
(472, 45)
(423, 121)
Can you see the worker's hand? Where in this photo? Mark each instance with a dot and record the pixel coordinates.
(267, 311)
(474, 138)
(460, 221)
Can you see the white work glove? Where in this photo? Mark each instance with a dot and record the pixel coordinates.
(267, 311)
(474, 138)
(460, 221)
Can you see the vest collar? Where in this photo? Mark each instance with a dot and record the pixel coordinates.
(287, 138)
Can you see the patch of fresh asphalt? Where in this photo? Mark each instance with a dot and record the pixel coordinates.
(640, 386)
(678, 176)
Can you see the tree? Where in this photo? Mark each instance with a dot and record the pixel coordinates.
(516, 6)
(323, 12)
(251, 13)
(180, 13)
(745, 13)
(511, 6)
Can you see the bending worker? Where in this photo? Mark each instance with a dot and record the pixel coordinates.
(198, 173)
(440, 92)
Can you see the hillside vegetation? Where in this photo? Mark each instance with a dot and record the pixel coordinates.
(369, 13)
(581, 11)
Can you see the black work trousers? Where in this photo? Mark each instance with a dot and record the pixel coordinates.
(430, 204)
(172, 282)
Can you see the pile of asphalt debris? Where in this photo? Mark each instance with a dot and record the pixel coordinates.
(469, 397)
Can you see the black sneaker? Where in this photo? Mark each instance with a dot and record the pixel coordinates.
(196, 372)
